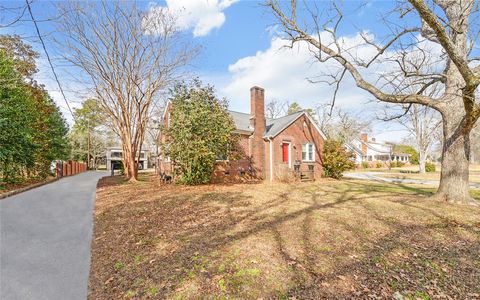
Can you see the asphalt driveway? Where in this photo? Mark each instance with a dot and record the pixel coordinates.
(45, 236)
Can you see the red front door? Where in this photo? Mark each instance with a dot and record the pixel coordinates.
(285, 154)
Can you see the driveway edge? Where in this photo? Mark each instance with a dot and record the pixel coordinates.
(26, 188)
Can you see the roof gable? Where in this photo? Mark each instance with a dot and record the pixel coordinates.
(278, 125)
(275, 126)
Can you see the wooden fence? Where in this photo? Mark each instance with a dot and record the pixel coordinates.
(68, 168)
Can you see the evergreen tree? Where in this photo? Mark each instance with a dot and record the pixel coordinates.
(200, 131)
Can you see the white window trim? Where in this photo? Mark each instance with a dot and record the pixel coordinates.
(313, 152)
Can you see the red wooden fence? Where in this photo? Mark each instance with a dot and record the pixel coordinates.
(67, 168)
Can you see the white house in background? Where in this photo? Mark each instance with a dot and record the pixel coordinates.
(114, 158)
(370, 150)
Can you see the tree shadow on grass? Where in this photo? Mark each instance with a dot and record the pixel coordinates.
(158, 247)
(404, 259)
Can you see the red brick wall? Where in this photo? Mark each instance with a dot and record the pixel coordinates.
(300, 132)
(233, 171)
(257, 121)
(244, 145)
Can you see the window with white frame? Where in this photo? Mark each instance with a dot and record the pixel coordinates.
(308, 152)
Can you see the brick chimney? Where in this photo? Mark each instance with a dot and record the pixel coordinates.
(364, 138)
(258, 124)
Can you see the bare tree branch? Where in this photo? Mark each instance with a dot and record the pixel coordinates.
(130, 57)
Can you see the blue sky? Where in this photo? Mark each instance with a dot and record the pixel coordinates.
(240, 48)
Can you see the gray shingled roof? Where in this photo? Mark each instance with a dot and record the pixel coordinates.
(274, 126)
(241, 120)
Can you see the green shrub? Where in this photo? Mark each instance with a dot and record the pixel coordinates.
(409, 150)
(430, 167)
(364, 164)
(200, 131)
(378, 164)
(336, 159)
(32, 129)
(396, 164)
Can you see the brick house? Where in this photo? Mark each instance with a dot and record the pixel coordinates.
(292, 144)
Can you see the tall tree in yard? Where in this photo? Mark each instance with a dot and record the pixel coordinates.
(32, 129)
(443, 24)
(200, 131)
(89, 135)
(340, 124)
(129, 56)
(424, 126)
(22, 54)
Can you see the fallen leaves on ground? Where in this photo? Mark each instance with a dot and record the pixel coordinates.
(327, 239)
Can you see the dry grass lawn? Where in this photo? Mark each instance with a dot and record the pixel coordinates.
(474, 177)
(396, 173)
(328, 239)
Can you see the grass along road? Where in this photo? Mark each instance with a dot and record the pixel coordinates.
(398, 173)
(334, 239)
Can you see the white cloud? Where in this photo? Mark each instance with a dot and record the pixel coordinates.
(283, 72)
(200, 15)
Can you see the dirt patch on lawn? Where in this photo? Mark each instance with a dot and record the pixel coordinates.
(328, 239)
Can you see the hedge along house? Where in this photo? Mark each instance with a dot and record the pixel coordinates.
(271, 148)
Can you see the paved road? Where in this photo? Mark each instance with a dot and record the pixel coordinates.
(377, 176)
(45, 236)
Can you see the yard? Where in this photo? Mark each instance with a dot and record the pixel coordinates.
(409, 172)
(328, 239)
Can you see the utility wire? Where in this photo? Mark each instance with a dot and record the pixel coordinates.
(48, 57)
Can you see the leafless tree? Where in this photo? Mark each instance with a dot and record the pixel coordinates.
(424, 126)
(446, 24)
(129, 57)
(275, 109)
(340, 124)
(153, 136)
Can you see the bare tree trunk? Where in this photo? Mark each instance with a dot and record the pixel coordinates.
(454, 179)
(132, 168)
(421, 161)
(130, 55)
(443, 22)
(125, 161)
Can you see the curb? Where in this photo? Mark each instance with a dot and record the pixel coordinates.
(24, 189)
